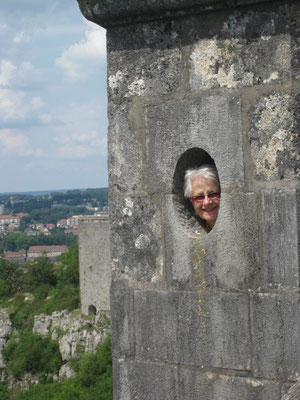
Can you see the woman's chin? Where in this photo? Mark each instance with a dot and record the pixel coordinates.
(209, 216)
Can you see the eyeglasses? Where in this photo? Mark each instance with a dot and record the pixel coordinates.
(200, 198)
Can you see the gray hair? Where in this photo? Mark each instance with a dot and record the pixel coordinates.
(207, 171)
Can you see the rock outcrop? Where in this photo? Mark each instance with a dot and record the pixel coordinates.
(5, 331)
(75, 332)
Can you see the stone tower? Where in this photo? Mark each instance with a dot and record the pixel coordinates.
(94, 264)
(195, 315)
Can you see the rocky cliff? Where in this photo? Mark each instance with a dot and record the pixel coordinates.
(76, 334)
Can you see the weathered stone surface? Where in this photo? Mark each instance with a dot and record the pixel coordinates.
(127, 149)
(139, 380)
(6, 329)
(108, 13)
(275, 332)
(94, 263)
(136, 242)
(274, 136)
(293, 393)
(215, 323)
(236, 62)
(227, 82)
(3, 342)
(225, 258)
(6, 326)
(66, 372)
(74, 332)
(210, 122)
(208, 385)
(280, 238)
(143, 69)
(122, 320)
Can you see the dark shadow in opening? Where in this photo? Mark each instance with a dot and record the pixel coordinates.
(92, 310)
(192, 158)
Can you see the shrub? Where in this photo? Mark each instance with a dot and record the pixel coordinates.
(40, 273)
(11, 277)
(31, 353)
(95, 372)
(4, 393)
(66, 298)
(92, 382)
(68, 272)
(22, 312)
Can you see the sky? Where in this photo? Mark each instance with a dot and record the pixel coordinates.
(53, 120)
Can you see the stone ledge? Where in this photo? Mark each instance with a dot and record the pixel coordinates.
(118, 12)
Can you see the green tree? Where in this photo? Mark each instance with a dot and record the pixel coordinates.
(31, 353)
(11, 277)
(68, 272)
(41, 272)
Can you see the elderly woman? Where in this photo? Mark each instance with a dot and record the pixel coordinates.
(202, 188)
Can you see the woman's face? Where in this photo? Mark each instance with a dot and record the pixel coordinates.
(208, 203)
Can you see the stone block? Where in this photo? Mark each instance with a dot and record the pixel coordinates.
(274, 136)
(280, 238)
(122, 322)
(143, 61)
(208, 385)
(275, 321)
(127, 148)
(236, 61)
(225, 258)
(199, 328)
(136, 239)
(144, 380)
(178, 125)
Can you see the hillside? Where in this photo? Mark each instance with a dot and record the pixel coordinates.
(45, 339)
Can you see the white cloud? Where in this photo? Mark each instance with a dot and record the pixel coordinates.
(36, 103)
(7, 69)
(82, 59)
(45, 118)
(20, 37)
(81, 145)
(10, 103)
(17, 143)
(16, 106)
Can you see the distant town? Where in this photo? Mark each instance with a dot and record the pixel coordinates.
(46, 223)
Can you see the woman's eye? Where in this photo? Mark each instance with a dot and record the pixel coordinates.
(213, 195)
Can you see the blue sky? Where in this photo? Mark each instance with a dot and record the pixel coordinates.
(53, 120)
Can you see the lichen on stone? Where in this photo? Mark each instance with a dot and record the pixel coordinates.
(274, 137)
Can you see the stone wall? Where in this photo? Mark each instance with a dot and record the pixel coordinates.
(203, 316)
(94, 264)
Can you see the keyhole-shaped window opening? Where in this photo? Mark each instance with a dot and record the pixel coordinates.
(192, 214)
(92, 310)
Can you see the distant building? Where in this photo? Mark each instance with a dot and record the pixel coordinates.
(61, 223)
(50, 226)
(9, 219)
(101, 213)
(48, 251)
(31, 233)
(22, 215)
(15, 256)
(2, 208)
(72, 221)
(73, 231)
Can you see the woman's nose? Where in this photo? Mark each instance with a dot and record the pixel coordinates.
(207, 200)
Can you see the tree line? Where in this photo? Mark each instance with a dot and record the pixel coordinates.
(15, 241)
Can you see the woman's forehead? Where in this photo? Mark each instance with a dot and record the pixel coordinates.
(204, 184)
